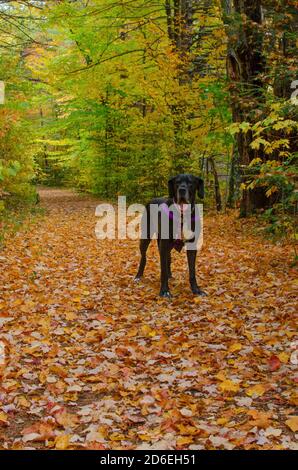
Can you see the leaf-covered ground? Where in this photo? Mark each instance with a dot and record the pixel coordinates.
(95, 361)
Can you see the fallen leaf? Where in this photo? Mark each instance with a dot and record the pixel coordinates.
(292, 423)
(235, 347)
(34, 436)
(273, 432)
(284, 357)
(66, 419)
(3, 418)
(274, 363)
(261, 419)
(229, 386)
(186, 412)
(183, 440)
(62, 442)
(256, 390)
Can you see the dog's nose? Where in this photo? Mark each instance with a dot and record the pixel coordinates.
(182, 190)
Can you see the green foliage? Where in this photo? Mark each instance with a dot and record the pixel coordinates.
(16, 160)
(116, 116)
(108, 98)
(16, 168)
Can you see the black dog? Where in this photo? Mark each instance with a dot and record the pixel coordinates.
(182, 191)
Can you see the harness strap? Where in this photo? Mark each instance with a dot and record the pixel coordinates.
(166, 210)
(178, 243)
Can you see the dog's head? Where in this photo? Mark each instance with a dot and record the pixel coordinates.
(182, 188)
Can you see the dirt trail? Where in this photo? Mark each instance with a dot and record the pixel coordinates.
(94, 361)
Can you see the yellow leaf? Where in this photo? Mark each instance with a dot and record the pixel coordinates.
(221, 376)
(146, 330)
(43, 376)
(116, 436)
(257, 390)
(132, 332)
(62, 442)
(152, 333)
(145, 437)
(187, 430)
(249, 336)
(58, 370)
(182, 441)
(255, 161)
(23, 402)
(3, 418)
(235, 347)
(70, 315)
(292, 423)
(229, 386)
(283, 357)
(222, 421)
(271, 190)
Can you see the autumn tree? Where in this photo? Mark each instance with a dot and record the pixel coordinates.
(17, 32)
(260, 57)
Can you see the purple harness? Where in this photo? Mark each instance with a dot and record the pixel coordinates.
(178, 243)
(170, 214)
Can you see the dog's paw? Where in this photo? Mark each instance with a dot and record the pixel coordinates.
(166, 294)
(199, 292)
(137, 279)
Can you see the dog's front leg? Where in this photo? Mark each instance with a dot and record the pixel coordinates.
(191, 258)
(164, 251)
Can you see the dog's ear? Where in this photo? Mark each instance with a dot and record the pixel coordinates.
(200, 187)
(171, 187)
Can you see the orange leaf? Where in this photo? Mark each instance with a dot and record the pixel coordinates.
(292, 423)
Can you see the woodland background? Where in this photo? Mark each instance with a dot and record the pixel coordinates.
(112, 97)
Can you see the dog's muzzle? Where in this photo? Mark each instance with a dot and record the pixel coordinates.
(183, 195)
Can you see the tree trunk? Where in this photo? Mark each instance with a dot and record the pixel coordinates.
(216, 185)
(233, 180)
(45, 154)
(179, 15)
(286, 68)
(286, 72)
(245, 65)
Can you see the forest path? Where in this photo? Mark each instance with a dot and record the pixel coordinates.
(95, 361)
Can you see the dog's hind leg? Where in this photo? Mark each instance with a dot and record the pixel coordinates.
(191, 257)
(164, 251)
(169, 262)
(144, 243)
(169, 265)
